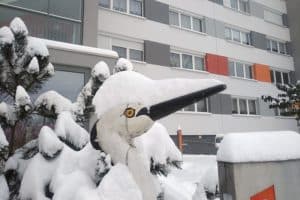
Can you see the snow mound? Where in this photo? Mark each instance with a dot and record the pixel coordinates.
(4, 192)
(125, 90)
(37, 47)
(100, 71)
(33, 66)
(3, 140)
(157, 145)
(18, 26)
(52, 100)
(50, 69)
(259, 147)
(123, 65)
(6, 36)
(22, 98)
(119, 184)
(70, 132)
(49, 145)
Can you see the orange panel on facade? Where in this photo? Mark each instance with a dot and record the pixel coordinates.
(216, 64)
(267, 194)
(262, 72)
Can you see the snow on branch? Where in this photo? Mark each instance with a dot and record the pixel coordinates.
(123, 65)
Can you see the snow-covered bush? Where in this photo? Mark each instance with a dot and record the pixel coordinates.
(123, 65)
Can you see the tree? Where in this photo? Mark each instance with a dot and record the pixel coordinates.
(287, 102)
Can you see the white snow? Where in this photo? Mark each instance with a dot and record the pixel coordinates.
(100, 71)
(33, 66)
(119, 184)
(79, 48)
(3, 140)
(37, 47)
(259, 147)
(7, 111)
(123, 65)
(4, 192)
(132, 87)
(50, 69)
(22, 98)
(52, 99)
(157, 144)
(67, 129)
(6, 36)
(49, 144)
(18, 26)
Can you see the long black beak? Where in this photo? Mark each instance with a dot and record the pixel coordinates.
(165, 108)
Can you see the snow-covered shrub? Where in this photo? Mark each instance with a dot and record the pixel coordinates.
(123, 65)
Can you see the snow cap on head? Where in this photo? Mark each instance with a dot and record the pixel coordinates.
(36, 47)
(22, 97)
(123, 65)
(18, 26)
(100, 71)
(33, 66)
(6, 36)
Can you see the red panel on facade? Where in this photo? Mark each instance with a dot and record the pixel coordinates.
(267, 194)
(216, 64)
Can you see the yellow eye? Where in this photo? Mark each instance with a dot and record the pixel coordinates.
(129, 112)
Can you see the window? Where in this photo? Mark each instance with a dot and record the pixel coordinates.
(66, 9)
(136, 55)
(239, 5)
(239, 69)
(201, 106)
(234, 4)
(132, 54)
(244, 6)
(174, 18)
(185, 21)
(134, 7)
(279, 77)
(187, 61)
(244, 106)
(276, 46)
(273, 17)
(237, 36)
(121, 51)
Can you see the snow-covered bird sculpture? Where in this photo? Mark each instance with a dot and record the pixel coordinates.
(128, 104)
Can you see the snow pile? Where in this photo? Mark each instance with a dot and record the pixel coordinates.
(3, 141)
(100, 71)
(259, 147)
(157, 145)
(50, 69)
(33, 66)
(6, 36)
(18, 27)
(8, 112)
(148, 92)
(52, 101)
(49, 145)
(123, 65)
(70, 132)
(4, 192)
(37, 47)
(22, 98)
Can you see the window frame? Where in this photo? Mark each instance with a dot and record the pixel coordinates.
(128, 7)
(191, 21)
(196, 107)
(128, 53)
(273, 72)
(247, 106)
(193, 61)
(241, 33)
(238, 8)
(278, 42)
(245, 66)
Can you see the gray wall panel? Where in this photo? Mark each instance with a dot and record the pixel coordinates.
(220, 104)
(214, 28)
(226, 104)
(218, 1)
(157, 53)
(256, 9)
(285, 20)
(90, 23)
(258, 40)
(157, 11)
(264, 109)
(220, 29)
(293, 79)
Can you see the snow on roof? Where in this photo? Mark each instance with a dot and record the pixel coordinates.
(132, 87)
(259, 147)
(79, 48)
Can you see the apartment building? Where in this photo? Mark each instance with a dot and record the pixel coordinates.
(244, 43)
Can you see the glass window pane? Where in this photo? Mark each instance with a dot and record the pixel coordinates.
(185, 21)
(245, 38)
(120, 5)
(234, 106)
(202, 106)
(252, 107)
(104, 3)
(239, 70)
(231, 68)
(66, 9)
(199, 63)
(248, 69)
(234, 4)
(274, 46)
(190, 108)
(120, 50)
(136, 7)
(136, 55)
(278, 77)
(187, 61)
(174, 18)
(269, 45)
(227, 33)
(244, 5)
(272, 76)
(236, 35)
(175, 60)
(282, 48)
(243, 106)
(285, 78)
(41, 5)
(273, 17)
(197, 25)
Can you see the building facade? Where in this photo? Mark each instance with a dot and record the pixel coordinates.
(244, 43)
